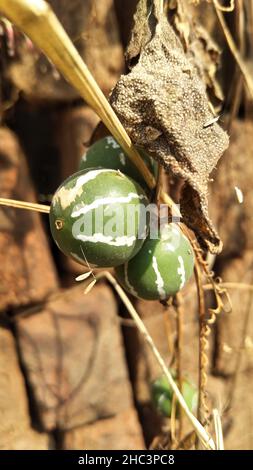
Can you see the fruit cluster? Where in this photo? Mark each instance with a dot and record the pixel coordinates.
(96, 217)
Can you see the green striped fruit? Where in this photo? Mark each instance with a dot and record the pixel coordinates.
(162, 395)
(106, 153)
(161, 268)
(95, 217)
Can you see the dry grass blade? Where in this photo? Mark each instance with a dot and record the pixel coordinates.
(233, 48)
(90, 286)
(218, 430)
(199, 429)
(31, 206)
(161, 5)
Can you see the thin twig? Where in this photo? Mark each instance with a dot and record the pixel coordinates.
(179, 346)
(173, 437)
(31, 206)
(161, 2)
(236, 101)
(203, 344)
(236, 89)
(200, 431)
(233, 48)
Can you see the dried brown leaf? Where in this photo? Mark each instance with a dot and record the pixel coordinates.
(163, 105)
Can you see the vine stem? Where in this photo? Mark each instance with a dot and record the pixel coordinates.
(203, 360)
(203, 435)
(179, 346)
(230, 285)
(218, 430)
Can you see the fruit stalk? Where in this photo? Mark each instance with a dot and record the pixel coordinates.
(31, 206)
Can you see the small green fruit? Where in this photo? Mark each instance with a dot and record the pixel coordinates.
(106, 153)
(89, 217)
(162, 395)
(161, 268)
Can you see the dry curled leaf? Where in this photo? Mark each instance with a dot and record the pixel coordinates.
(163, 105)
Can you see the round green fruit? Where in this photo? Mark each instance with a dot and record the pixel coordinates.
(161, 268)
(95, 217)
(162, 395)
(106, 153)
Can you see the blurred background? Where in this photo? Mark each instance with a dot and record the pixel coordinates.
(74, 372)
